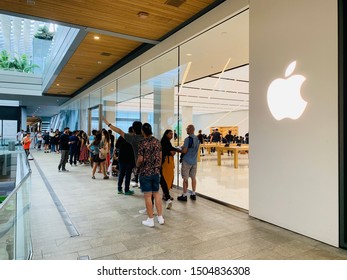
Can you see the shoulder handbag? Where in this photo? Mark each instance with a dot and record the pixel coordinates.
(102, 153)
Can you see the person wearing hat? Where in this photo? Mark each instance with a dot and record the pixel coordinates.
(149, 162)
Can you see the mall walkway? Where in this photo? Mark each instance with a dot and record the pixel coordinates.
(107, 226)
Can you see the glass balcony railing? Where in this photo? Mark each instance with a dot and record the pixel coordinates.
(15, 183)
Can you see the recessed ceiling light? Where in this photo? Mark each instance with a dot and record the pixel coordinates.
(105, 54)
(58, 85)
(143, 15)
(96, 37)
(99, 62)
(188, 54)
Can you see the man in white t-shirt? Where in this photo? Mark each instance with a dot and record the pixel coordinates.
(20, 136)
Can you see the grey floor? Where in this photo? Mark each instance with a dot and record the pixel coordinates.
(109, 225)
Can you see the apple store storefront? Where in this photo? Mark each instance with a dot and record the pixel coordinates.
(246, 68)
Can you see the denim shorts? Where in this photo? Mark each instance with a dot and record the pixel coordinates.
(149, 183)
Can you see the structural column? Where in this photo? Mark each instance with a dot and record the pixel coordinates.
(23, 118)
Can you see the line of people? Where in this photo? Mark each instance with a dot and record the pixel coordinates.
(154, 160)
(139, 152)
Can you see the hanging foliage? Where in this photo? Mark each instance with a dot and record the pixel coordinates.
(17, 63)
(44, 34)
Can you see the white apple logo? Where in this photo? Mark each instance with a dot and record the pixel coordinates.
(284, 96)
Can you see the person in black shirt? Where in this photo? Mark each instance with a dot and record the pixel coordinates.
(247, 138)
(175, 135)
(46, 142)
(73, 146)
(229, 139)
(215, 138)
(126, 161)
(167, 167)
(64, 147)
(112, 142)
(201, 140)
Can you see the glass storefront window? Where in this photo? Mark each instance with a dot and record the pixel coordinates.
(73, 115)
(109, 102)
(214, 94)
(95, 98)
(128, 102)
(158, 80)
(84, 105)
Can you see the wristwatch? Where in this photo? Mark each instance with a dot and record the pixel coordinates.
(109, 124)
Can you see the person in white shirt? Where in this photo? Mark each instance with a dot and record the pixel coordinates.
(39, 140)
(20, 136)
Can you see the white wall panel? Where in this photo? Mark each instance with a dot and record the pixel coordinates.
(294, 163)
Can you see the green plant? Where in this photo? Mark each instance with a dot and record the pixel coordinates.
(5, 60)
(43, 33)
(22, 64)
(19, 63)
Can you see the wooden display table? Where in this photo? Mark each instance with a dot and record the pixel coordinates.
(235, 149)
(220, 148)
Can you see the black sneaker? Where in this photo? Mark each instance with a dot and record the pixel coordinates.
(193, 197)
(182, 198)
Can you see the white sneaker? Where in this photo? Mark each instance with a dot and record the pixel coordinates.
(169, 204)
(149, 222)
(161, 220)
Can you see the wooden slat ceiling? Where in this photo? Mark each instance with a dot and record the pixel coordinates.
(120, 16)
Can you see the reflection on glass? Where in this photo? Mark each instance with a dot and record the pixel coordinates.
(94, 114)
(215, 94)
(109, 102)
(84, 113)
(95, 98)
(8, 131)
(72, 116)
(128, 100)
(159, 78)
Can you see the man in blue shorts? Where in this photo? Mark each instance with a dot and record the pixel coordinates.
(149, 162)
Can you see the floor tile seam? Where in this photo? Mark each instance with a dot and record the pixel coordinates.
(37, 225)
(72, 230)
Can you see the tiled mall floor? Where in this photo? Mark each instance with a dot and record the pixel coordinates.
(109, 225)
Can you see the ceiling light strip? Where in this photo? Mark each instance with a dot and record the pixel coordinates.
(220, 75)
(120, 35)
(184, 77)
(224, 116)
